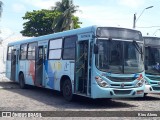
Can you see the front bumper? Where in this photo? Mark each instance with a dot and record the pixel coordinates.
(99, 92)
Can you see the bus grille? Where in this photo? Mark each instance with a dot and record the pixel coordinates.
(122, 92)
(153, 83)
(119, 85)
(122, 79)
(154, 78)
(156, 88)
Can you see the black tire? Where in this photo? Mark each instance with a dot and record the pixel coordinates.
(145, 94)
(22, 81)
(67, 90)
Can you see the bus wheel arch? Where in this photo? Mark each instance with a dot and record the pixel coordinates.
(66, 88)
(22, 80)
(145, 94)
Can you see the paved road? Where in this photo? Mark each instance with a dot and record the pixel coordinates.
(12, 98)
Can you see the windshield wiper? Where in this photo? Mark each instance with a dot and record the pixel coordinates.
(138, 48)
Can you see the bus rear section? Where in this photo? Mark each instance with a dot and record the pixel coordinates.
(152, 64)
(12, 62)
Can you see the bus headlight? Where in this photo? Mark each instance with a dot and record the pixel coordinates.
(140, 83)
(101, 82)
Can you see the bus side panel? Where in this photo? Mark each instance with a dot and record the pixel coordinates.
(30, 72)
(23, 68)
(54, 71)
(53, 68)
(8, 69)
(72, 66)
(68, 70)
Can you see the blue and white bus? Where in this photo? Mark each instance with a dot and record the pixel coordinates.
(96, 62)
(152, 64)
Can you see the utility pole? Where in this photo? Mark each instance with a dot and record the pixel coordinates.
(134, 21)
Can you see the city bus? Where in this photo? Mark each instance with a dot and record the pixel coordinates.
(95, 62)
(152, 64)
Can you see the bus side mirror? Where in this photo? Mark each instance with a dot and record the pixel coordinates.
(95, 49)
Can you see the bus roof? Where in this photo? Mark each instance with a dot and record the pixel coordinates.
(56, 35)
(151, 37)
(151, 40)
(61, 34)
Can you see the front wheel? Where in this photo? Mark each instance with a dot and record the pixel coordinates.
(22, 81)
(145, 94)
(67, 90)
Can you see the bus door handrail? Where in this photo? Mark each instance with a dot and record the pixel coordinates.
(81, 57)
(82, 64)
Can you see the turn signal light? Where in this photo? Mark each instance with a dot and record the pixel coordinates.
(140, 77)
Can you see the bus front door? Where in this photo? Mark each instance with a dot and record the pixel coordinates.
(81, 69)
(13, 64)
(39, 66)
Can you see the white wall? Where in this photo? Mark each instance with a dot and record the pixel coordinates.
(3, 50)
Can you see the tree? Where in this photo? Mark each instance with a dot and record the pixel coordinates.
(40, 22)
(65, 20)
(1, 8)
(76, 22)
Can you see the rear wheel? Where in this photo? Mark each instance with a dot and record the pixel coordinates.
(22, 81)
(67, 90)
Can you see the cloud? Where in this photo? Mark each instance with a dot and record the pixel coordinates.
(131, 3)
(5, 32)
(18, 8)
(7, 35)
(42, 4)
(103, 18)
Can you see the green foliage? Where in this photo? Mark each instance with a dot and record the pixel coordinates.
(76, 22)
(39, 22)
(66, 20)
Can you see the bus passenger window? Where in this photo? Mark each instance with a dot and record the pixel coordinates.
(55, 48)
(45, 53)
(31, 51)
(69, 48)
(23, 52)
(9, 52)
(40, 53)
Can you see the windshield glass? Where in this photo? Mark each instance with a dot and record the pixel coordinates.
(118, 57)
(152, 60)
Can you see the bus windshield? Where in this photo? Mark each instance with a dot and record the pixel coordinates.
(116, 56)
(152, 60)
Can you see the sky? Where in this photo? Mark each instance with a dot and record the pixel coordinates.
(117, 13)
